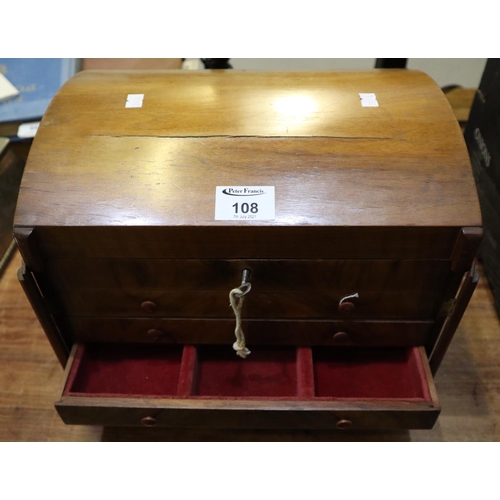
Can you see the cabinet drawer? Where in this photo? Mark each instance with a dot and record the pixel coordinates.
(266, 275)
(257, 332)
(275, 387)
(257, 305)
(265, 241)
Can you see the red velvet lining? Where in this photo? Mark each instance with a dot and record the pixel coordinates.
(126, 370)
(269, 372)
(266, 373)
(381, 373)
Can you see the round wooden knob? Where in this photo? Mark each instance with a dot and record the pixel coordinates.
(347, 308)
(154, 333)
(148, 421)
(344, 424)
(341, 337)
(148, 306)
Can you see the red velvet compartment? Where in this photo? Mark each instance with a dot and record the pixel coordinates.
(369, 373)
(125, 370)
(268, 373)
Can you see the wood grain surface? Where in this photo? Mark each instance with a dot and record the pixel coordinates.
(332, 161)
(182, 331)
(183, 242)
(195, 128)
(461, 100)
(267, 275)
(283, 305)
(30, 382)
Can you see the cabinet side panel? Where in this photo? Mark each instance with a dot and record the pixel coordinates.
(37, 301)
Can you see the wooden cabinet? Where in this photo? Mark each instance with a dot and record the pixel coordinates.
(358, 283)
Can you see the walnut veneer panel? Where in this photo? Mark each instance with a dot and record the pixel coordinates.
(257, 332)
(267, 275)
(239, 242)
(262, 305)
(332, 161)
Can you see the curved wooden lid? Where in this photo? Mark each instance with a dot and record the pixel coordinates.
(333, 162)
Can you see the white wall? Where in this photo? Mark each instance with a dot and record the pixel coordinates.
(301, 64)
(464, 72)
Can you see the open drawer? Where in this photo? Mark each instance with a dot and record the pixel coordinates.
(275, 387)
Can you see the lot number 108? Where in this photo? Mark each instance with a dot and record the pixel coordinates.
(245, 208)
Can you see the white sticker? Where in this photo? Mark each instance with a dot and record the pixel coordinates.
(368, 100)
(134, 101)
(27, 130)
(244, 203)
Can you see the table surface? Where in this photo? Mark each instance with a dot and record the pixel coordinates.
(468, 385)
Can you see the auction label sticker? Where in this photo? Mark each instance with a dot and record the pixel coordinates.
(244, 203)
(134, 100)
(368, 100)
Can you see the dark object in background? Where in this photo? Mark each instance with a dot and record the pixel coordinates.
(216, 64)
(482, 135)
(390, 63)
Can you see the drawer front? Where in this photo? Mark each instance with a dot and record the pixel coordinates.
(205, 387)
(265, 275)
(249, 415)
(385, 304)
(257, 332)
(227, 241)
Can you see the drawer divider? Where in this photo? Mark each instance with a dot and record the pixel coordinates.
(305, 373)
(188, 375)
